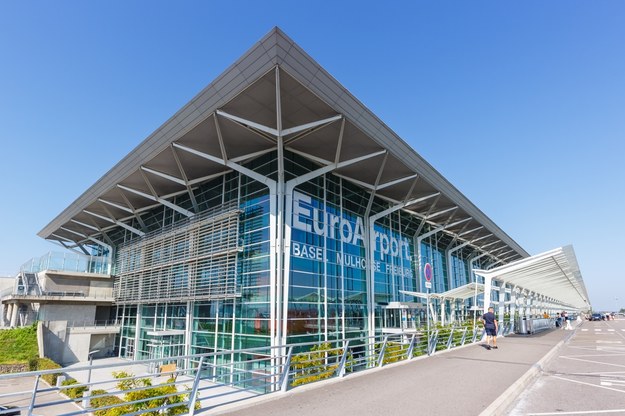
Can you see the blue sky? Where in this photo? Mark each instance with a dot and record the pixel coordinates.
(521, 105)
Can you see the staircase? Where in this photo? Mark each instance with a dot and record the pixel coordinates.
(31, 284)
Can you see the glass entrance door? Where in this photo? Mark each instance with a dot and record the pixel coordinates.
(164, 346)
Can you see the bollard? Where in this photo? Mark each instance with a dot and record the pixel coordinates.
(86, 399)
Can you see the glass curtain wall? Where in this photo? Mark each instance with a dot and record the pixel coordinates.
(327, 292)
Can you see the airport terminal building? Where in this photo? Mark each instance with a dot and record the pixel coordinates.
(276, 208)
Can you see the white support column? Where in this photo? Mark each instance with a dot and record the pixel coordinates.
(137, 332)
(502, 298)
(188, 329)
(520, 301)
(14, 308)
(443, 304)
(488, 283)
(513, 300)
(453, 306)
(433, 311)
(529, 304)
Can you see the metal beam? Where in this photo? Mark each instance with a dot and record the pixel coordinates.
(311, 125)
(396, 181)
(157, 199)
(116, 205)
(436, 214)
(121, 224)
(73, 232)
(470, 231)
(164, 176)
(85, 225)
(248, 123)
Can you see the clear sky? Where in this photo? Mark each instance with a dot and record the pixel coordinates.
(521, 105)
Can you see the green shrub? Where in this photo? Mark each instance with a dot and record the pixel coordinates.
(33, 363)
(320, 363)
(48, 364)
(393, 353)
(73, 392)
(110, 400)
(141, 389)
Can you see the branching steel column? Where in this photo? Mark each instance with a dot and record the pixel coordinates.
(370, 249)
(276, 287)
(290, 188)
(420, 238)
(448, 254)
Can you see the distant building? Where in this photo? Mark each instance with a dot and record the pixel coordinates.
(71, 294)
(6, 282)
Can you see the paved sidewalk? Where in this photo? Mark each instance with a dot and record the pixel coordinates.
(25, 385)
(464, 381)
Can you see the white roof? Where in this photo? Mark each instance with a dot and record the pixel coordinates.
(463, 292)
(554, 274)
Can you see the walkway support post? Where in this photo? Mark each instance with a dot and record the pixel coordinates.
(502, 298)
(513, 301)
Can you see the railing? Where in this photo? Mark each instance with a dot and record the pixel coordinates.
(528, 325)
(64, 293)
(68, 262)
(207, 381)
(91, 293)
(90, 323)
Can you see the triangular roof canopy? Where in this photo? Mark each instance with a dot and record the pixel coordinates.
(235, 118)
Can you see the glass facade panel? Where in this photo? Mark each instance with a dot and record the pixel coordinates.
(327, 265)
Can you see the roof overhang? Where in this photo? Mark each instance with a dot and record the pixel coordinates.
(461, 293)
(554, 274)
(234, 120)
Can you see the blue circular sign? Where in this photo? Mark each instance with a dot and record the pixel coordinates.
(427, 271)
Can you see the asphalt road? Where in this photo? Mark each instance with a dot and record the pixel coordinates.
(586, 377)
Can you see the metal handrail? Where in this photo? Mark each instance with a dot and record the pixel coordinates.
(253, 371)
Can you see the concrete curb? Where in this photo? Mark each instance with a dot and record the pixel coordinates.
(500, 406)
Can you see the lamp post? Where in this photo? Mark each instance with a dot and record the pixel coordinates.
(90, 364)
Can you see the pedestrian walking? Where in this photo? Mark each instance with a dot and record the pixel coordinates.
(490, 326)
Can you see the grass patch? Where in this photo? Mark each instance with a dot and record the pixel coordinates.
(18, 345)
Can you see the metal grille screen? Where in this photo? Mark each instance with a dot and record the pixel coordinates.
(193, 260)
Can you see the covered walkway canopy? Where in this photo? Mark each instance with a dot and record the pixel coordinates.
(459, 293)
(554, 274)
(462, 292)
